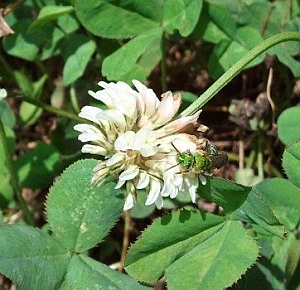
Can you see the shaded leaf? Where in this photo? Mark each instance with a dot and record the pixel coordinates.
(182, 15)
(86, 273)
(123, 60)
(293, 266)
(227, 194)
(31, 258)
(78, 53)
(49, 13)
(38, 167)
(291, 162)
(21, 44)
(7, 116)
(256, 210)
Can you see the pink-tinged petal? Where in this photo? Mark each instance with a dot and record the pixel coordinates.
(177, 102)
(143, 180)
(178, 125)
(165, 111)
(131, 172)
(150, 100)
(129, 202)
(182, 145)
(154, 191)
(124, 141)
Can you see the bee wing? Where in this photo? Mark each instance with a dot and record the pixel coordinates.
(217, 161)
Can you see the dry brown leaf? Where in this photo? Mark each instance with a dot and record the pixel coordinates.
(4, 28)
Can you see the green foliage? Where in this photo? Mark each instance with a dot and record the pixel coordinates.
(60, 50)
(288, 125)
(79, 217)
(37, 167)
(77, 212)
(193, 245)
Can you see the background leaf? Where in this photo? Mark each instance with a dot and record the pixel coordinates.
(291, 162)
(6, 115)
(37, 167)
(288, 125)
(134, 17)
(78, 50)
(283, 198)
(49, 13)
(123, 60)
(181, 15)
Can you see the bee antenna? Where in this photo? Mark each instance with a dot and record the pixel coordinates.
(175, 148)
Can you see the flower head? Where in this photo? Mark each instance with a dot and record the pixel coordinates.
(140, 139)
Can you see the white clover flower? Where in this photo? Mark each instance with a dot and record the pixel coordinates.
(136, 135)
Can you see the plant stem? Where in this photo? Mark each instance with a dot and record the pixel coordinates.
(127, 221)
(28, 216)
(163, 64)
(54, 110)
(260, 158)
(237, 68)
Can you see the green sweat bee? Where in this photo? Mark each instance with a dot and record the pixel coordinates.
(201, 160)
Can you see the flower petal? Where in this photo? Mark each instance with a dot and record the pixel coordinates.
(143, 180)
(166, 110)
(154, 191)
(90, 113)
(115, 117)
(116, 158)
(131, 172)
(124, 141)
(150, 100)
(129, 202)
(93, 149)
(159, 202)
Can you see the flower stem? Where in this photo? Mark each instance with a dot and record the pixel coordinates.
(163, 64)
(127, 221)
(28, 216)
(54, 110)
(237, 68)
